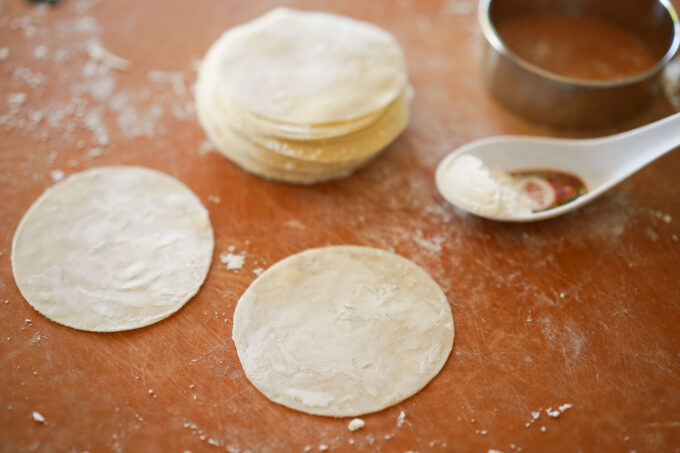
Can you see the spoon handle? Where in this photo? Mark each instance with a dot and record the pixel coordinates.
(645, 144)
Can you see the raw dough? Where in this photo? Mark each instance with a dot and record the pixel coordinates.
(112, 248)
(342, 330)
(382, 130)
(309, 67)
(303, 97)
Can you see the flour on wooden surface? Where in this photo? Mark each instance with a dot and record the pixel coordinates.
(401, 419)
(40, 52)
(295, 224)
(57, 175)
(666, 218)
(433, 244)
(210, 440)
(356, 424)
(205, 147)
(233, 261)
(174, 78)
(16, 100)
(37, 416)
(93, 153)
(91, 82)
(554, 413)
(459, 7)
(559, 411)
(99, 53)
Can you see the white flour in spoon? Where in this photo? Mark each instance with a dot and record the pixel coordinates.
(484, 191)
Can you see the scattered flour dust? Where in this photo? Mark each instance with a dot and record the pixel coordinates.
(57, 175)
(233, 260)
(205, 147)
(196, 431)
(401, 419)
(87, 77)
(559, 411)
(462, 8)
(16, 100)
(98, 52)
(554, 413)
(175, 79)
(40, 52)
(666, 218)
(356, 424)
(37, 416)
(433, 244)
(295, 224)
(93, 153)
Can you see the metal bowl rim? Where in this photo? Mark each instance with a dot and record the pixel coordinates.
(493, 38)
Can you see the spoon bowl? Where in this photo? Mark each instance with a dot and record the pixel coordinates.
(600, 162)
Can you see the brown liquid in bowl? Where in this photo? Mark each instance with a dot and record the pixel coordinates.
(576, 46)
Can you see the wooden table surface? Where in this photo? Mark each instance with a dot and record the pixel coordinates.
(583, 310)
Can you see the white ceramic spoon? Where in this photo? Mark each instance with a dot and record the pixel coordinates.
(600, 162)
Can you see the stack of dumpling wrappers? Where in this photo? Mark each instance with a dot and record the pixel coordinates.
(303, 97)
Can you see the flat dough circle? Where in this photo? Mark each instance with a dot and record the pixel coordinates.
(208, 81)
(112, 248)
(309, 67)
(342, 330)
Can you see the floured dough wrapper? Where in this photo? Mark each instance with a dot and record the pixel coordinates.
(293, 88)
(342, 330)
(112, 248)
(310, 67)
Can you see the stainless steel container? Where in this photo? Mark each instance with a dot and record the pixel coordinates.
(560, 101)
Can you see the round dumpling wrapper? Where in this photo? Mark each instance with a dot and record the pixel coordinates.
(309, 68)
(112, 248)
(342, 330)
